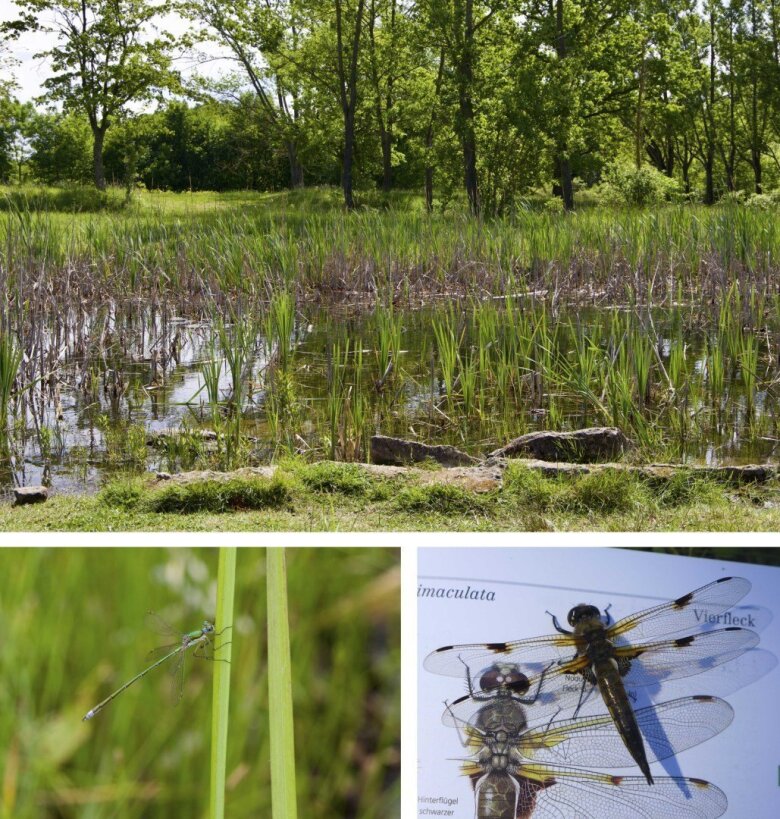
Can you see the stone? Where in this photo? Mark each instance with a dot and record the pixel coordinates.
(30, 494)
(400, 452)
(591, 445)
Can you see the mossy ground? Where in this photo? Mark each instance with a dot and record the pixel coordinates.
(342, 497)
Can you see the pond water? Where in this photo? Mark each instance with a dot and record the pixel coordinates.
(131, 390)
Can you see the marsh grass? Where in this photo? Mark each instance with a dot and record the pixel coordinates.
(10, 361)
(464, 332)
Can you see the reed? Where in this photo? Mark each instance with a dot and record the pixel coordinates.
(10, 362)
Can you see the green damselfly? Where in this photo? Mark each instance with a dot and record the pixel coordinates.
(201, 640)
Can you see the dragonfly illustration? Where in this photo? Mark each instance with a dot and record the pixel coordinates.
(639, 651)
(518, 771)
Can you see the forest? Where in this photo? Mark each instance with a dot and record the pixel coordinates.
(492, 106)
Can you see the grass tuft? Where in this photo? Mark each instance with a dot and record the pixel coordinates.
(222, 496)
(346, 479)
(442, 498)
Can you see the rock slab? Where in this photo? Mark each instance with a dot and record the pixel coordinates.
(400, 452)
(583, 446)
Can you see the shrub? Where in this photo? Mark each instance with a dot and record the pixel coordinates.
(629, 185)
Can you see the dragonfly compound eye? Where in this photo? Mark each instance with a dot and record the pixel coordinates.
(582, 612)
(506, 677)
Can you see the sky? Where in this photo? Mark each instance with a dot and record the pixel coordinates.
(31, 71)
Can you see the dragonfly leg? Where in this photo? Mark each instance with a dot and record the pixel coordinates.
(607, 616)
(556, 625)
(582, 699)
(456, 721)
(469, 680)
(535, 696)
(220, 633)
(200, 653)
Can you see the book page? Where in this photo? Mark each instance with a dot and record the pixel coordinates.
(494, 595)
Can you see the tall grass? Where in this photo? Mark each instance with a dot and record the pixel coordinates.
(280, 705)
(226, 582)
(10, 361)
(283, 367)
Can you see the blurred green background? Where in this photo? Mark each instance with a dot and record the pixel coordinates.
(73, 630)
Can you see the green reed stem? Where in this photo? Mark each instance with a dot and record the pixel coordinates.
(280, 706)
(226, 581)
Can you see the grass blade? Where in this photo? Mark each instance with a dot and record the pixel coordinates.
(280, 710)
(226, 582)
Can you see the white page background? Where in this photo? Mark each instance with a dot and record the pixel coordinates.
(744, 760)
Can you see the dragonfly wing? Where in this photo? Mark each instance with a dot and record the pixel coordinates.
(160, 650)
(692, 611)
(684, 656)
(177, 678)
(156, 624)
(555, 792)
(530, 656)
(668, 728)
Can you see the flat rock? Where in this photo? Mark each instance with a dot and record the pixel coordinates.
(733, 474)
(400, 452)
(583, 446)
(30, 494)
(472, 478)
(212, 475)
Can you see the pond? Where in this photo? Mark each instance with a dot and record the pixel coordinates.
(124, 388)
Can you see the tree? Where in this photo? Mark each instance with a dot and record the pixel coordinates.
(106, 57)
(260, 34)
(8, 113)
(60, 149)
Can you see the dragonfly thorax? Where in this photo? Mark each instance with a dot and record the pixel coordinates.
(499, 762)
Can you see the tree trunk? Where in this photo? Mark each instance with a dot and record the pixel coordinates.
(98, 137)
(349, 153)
(709, 157)
(465, 121)
(387, 160)
(562, 161)
(296, 169)
(429, 138)
(348, 93)
(470, 168)
(567, 187)
(709, 184)
(757, 170)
